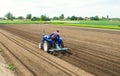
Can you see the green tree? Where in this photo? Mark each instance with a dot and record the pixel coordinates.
(13, 17)
(9, 16)
(80, 18)
(20, 17)
(55, 18)
(29, 16)
(94, 18)
(73, 18)
(1, 18)
(61, 17)
(68, 18)
(44, 18)
(103, 18)
(35, 19)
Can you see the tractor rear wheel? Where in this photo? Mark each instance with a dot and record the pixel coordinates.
(46, 46)
(61, 44)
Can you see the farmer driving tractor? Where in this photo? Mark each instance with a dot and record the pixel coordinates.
(52, 43)
(54, 36)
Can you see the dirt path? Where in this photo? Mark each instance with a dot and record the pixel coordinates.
(95, 51)
(33, 62)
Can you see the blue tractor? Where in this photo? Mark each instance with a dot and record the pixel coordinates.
(47, 44)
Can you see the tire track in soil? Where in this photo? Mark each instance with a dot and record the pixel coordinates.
(34, 53)
(99, 57)
(81, 59)
(18, 43)
(84, 57)
(27, 66)
(33, 74)
(100, 54)
(18, 58)
(104, 70)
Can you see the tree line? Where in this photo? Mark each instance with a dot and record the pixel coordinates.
(10, 16)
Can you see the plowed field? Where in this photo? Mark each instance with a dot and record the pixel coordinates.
(93, 51)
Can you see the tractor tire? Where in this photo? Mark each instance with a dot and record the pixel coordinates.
(46, 46)
(40, 46)
(61, 44)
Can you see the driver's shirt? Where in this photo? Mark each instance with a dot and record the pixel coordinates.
(54, 35)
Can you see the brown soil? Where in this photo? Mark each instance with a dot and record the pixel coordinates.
(4, 69)
(93, 50)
